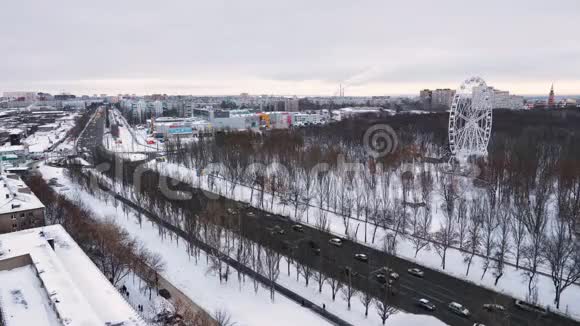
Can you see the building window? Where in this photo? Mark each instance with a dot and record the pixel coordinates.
(29, 213)
(21, 214)
(13, 217)
(14, 225)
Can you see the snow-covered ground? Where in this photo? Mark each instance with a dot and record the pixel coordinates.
(128, 140)
(246, 306)
(512, 282)
(138, 294)
(41, 141)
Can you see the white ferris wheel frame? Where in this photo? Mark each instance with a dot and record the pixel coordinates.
(470, 119)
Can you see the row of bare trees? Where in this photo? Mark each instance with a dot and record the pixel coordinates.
(219, 225)
(526, 196)
(110, 247)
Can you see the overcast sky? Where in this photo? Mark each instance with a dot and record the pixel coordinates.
(292, 47)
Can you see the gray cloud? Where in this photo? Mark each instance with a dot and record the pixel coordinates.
(184, 43)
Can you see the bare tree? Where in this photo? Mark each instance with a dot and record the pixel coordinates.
(444, 238)
(335, 286)
(563, 256)
(399, 219)
(518, 233)
(462, 222)
(420, 226)
(348, 291)
(488, 228)
(270, 266)
(384, 309)
(501, 245)
(223, 318)
(306, 272)
(473, 240)
(320, 276)
(365, 296)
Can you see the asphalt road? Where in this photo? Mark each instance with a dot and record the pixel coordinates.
(92, 136)
(435, 286)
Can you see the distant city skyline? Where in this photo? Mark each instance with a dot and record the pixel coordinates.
(298, 48)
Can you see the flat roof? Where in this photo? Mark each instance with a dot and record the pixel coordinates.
(72, 287)
(12, 148)
(15, 196)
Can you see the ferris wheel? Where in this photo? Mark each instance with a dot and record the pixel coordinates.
(470, 118)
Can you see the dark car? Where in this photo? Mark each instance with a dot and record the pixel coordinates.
(493, 307)
(314, 246)
(298, 228)
(277, 230)
(530, 307)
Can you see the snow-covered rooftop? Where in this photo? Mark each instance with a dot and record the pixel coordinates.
(56, 287)
(15, 196)
(10, 149)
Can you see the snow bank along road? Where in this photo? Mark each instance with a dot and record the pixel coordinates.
(438, 287)
(236, 265)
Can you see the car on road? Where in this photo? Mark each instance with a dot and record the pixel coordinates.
(478, 324)
(381, 278)
(416, 272)
(426, 304)
(391, 272)
(278, 230)
(361, 257)
(298, 228)
(530, 307)
(314, 246)
(493, 307)
(459, 309)
(335, 242)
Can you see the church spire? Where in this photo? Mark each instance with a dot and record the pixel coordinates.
(551, 99)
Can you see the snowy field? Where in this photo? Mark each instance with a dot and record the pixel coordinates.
(41, 141)
(246, 306)
(512, 282)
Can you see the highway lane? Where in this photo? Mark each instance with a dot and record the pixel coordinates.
(438, 287)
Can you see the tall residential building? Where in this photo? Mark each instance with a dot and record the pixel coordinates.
(291, 105)
(442, 97)
(425, 97)
(551, 98)
(158, 108)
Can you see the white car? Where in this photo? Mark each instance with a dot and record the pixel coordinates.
(335, 242)
(361, 257)
(459, 309)
(426, 304)
(416, 272)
